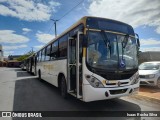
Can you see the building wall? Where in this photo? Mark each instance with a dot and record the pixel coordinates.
(3, 64)
(149, 56)
(13, 64)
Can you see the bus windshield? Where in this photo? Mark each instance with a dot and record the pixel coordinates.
(110, 53)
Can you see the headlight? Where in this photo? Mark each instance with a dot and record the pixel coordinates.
(151, 76)
(134, 78)
(94, 81)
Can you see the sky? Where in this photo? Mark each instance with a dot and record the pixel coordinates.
(27, 24)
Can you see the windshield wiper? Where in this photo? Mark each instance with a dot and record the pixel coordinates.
(125, 40)
(106, 40)
(124, 44)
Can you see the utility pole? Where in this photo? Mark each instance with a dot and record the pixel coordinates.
(32, 49)
(55, 26)
(55, 20)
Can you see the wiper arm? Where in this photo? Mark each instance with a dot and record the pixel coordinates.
(106, 40)
(125, 40)
(124, 43)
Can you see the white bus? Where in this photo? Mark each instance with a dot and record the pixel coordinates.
(29, 64)
(95, 59)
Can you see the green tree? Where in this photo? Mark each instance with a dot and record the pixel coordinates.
(23, 57)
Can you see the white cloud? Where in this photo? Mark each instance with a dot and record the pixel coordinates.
(28, 10)
(14, 47)
(9, 36)
(37, 47)
(7, 53)
(149, 42)
(134, 12)
(44, 38)
(26, 30)
(158, 30)
(53, 3)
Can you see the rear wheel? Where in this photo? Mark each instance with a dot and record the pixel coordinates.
(158, 83)
(63, 87)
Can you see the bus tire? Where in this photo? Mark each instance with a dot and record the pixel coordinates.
(39, 75)
(63, 88)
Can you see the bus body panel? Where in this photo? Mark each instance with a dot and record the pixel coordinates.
(51, 69)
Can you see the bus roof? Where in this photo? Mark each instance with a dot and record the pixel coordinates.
(81, 21)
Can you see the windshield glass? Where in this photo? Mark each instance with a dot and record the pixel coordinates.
(149, 66)
(104, 51)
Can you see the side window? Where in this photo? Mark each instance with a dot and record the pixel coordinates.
(63, 46)
(48, 53)
(40, 56)
(43, 55)
(54, 51)
(37, 57)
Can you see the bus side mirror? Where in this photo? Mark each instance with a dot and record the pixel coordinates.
(137, 40)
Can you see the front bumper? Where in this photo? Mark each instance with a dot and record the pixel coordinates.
(92, 94)
(151, 82)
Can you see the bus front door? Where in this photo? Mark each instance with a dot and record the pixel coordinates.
(74, 81)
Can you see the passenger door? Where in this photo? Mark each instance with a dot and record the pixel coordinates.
(74, 81)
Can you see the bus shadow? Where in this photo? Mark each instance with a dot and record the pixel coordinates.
(34, 95)
(18, 69)
(23, 74)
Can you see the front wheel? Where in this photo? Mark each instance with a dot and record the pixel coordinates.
(158, 83)
(63, 88)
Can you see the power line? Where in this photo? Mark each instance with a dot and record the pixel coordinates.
(55, 20)
(70, 10)
(50, 28)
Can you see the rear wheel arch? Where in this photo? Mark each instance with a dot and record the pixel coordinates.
(62, 85)
(60, 75)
